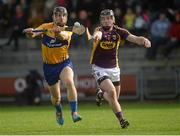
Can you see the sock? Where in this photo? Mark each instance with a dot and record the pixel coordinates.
(73, 105)
(58, 108)
(119, 115)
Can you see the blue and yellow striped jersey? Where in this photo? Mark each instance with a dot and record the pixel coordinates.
(54, 50)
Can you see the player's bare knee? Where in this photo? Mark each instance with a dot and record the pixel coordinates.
(55, 100)
(112, 94)
(69, 83)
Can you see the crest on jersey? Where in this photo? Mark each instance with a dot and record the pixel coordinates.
(107, 45)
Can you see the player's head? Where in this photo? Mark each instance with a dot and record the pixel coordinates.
(60, 15)
(107, 18)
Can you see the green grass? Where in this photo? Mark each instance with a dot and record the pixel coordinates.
(145, 118)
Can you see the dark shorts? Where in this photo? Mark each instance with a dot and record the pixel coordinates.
(52, 71)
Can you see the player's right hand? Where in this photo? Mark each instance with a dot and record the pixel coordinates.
(97, 35)
(28, 30)
(147, 43)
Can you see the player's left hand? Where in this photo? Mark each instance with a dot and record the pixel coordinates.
(78, 28)
(97, 36)
(147, 43)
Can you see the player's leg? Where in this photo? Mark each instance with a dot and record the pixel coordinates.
(123, 122)
(115, 78)
(118, 90)
(101, 74)
(98, 75)
(99, 96)
(67, 76)
(111, 96)
(56, 101)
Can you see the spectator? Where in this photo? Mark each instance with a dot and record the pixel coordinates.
(139, 24)
(36, 18)
(34, 83)
(159, 35)
(81, 40)
(141, 21)
(48, 6)
(18, 23)
(118, 16)
(146, 16)
(129, 19)
(72, 18)
(3, 19)
(174, 35)
(84, 19)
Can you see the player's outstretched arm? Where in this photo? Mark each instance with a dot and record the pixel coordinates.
(31, 33)
(60, 33)
(140, 40)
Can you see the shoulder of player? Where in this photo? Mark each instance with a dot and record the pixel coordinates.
(120, 29)
(47, 25)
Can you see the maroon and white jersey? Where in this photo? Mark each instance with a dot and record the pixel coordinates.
(105, 52)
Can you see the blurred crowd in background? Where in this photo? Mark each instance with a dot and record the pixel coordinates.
(157, 19)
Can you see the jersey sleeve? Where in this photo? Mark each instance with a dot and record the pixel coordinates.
(43, 26)
(123, 33)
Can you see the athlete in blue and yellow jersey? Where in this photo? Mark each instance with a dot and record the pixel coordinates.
(104, 59)
(57, 65)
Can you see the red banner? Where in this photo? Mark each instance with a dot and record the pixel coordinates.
(84, 83)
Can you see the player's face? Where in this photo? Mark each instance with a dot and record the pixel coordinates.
(59, 18)
(106, 21)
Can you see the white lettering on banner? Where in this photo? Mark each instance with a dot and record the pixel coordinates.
(20, 85)
(86, 83)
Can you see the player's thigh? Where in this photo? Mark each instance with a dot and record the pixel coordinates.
(114, 74)
(108, 86)
(67, 75)
(54, 89)
(99, 74)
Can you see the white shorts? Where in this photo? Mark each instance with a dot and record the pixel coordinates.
(112, 73)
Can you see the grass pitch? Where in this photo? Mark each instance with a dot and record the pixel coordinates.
(160, 118)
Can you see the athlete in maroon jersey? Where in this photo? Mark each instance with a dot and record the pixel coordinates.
(106, 51)
(104, 59)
